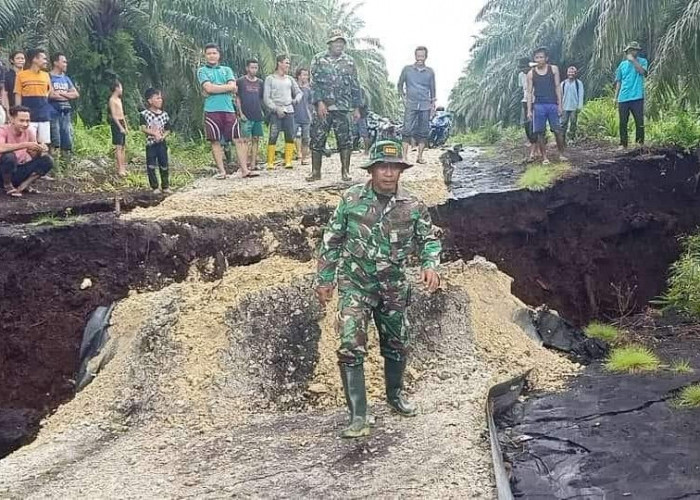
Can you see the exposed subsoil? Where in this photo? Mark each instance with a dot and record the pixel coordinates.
(612, 436)
(596, 245)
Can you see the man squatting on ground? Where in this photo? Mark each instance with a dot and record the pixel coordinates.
(629, 92)
(336, 93)
(417, 89)
(22, 159)
(365, 247)
(544, 102)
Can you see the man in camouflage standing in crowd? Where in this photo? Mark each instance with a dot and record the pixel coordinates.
(365, 246)
(336, 93)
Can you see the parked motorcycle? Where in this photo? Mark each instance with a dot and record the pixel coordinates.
(440, 128)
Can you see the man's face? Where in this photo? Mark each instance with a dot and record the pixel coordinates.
(571, 73)
(304, 77)
(252, 69)
(633, 52)
(40, 60)
(119, 90)
(61, 64)
(21, 121)
(541, 59)
(18, 61)
(212, 56)
(385, 177)
(283, 66)
(421, 56)
(156, 101)
(337, 47)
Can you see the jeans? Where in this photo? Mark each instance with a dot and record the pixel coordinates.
(570, 118)
(637, 110)
(20, 173)
(157, 158)
(62, 130)
(284, 124)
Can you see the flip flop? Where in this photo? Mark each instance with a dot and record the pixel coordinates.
(220, 177)
(250, 174)
(32, 190)
(421, 161)
(13, 193)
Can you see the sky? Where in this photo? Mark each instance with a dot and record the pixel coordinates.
(446, 27)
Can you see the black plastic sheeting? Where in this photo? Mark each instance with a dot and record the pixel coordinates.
(557, 333)
(607, 437)
(95, 336)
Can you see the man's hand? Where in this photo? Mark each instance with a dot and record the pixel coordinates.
(630, 57)
(325, 294)
(560, 110)
(280, 112)
(431, 279)
(243, 117)
(322, 110)
(529, 115)
(356, 116)
(33, 147)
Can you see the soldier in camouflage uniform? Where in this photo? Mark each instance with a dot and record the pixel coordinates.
(365, 247)
(336, 93)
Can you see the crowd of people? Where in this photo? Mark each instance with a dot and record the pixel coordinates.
(550, 99)
(305, 108)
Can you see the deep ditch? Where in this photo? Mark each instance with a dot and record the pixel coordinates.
(591, 246)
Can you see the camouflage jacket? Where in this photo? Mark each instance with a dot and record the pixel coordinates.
(362, 234)
(334, 81)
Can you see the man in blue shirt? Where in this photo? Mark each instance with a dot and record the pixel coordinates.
(629, 92)
(61, 94)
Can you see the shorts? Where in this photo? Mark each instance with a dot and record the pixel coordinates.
(221, 125)
(543, 113)
(416, 124)
(252, 128)
(42, 131)
(304, 133)
(118, 137)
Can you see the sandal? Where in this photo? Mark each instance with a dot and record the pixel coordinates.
(220, 177)
(13, 193)
(250, 174)
(421, 161)
(32, 190)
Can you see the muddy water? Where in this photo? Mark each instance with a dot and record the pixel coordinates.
(478, 173)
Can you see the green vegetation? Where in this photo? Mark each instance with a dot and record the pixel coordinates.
(681, 367)
(689, 397)
(160, 44)
(55, 221)
(590, 34)
(601, 331)
(632, 359)
(542, 177)
(683, 293)
(490, 135)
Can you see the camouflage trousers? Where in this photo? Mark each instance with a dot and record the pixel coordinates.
(384, 302)
(339, 121)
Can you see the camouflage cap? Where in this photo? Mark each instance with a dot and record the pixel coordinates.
(386, 152)
(336, 34)
(633, 46)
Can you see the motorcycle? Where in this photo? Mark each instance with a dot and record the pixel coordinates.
(382, 129)
(440, 128)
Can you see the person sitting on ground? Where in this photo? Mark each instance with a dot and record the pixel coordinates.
(572, 100)
(120, 128)
(544, 102)
(303, 112)
(155, 123)
(525, 68)
(249, 99)
(62, 93)
(17, 65)
(281, 93)
(32, 87)
(22, 159)
(629, 92)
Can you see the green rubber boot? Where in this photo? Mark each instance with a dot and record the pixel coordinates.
(393, 376)
(316, 160)
(345, 156)
(356, 396)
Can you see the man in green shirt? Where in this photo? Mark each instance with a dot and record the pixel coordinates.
(365, 246)
(220, 119)
(336, 95)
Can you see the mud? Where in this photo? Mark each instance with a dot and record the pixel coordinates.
(597, 245)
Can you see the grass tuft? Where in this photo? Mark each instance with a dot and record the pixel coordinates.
(632, 359)
(52, 220)
(689, 397)
(681, 366)
(542, 177)
(683, 293)
(601, 331)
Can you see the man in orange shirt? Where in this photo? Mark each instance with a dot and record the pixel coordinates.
(32, 87)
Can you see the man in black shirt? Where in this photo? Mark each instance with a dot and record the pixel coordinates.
(249, 100)
(17, 65)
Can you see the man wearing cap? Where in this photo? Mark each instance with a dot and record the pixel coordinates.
(336, 93)
(365, 246)
(629, 92)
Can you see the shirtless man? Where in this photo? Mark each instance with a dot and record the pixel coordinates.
(117, 121)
